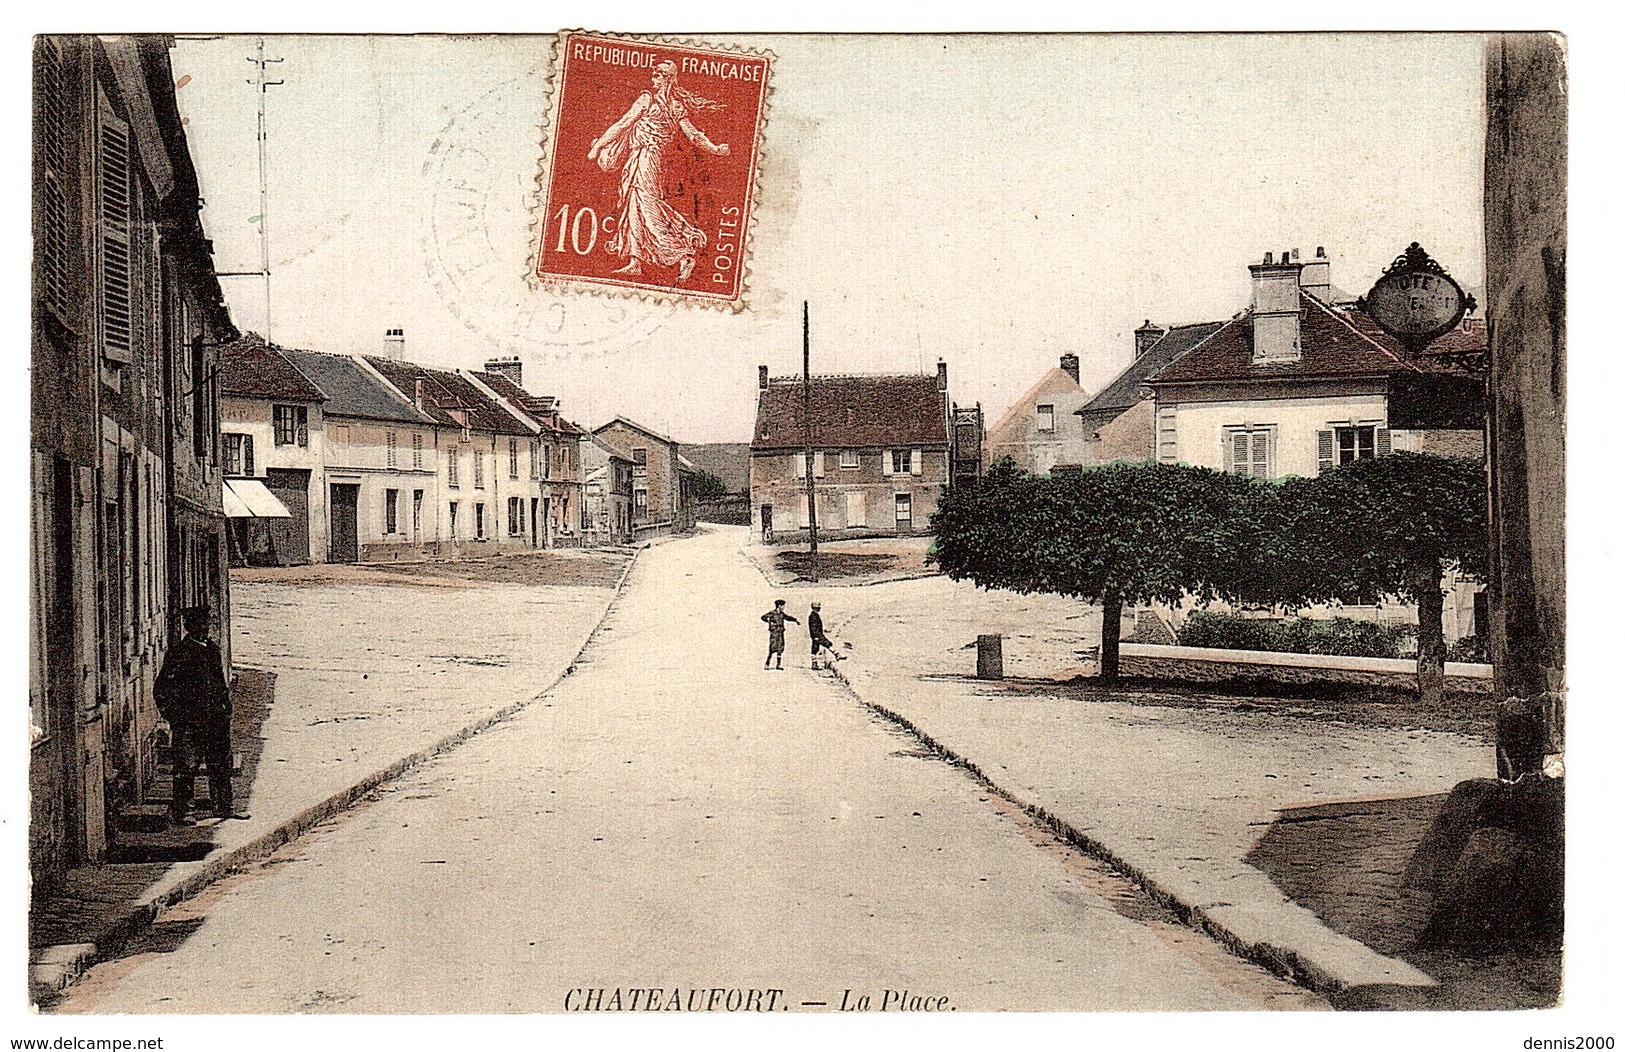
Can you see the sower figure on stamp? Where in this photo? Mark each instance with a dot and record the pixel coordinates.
(193, 697)
(647, 229)
(775, 619)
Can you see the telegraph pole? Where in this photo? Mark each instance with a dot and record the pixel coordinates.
(264, 273)
(807, 436)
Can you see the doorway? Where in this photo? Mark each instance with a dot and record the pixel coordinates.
(342, 505)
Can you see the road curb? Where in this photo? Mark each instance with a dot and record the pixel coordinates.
(1282, 960)
(52, 969)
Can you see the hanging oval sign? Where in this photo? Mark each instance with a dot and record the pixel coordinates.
(1415, 301)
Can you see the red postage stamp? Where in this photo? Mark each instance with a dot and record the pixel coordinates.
(649, 171)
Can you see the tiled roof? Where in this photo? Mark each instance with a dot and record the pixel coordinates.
(1124, 390)
(351, 390)
(448, 398)
(1335, 341)
(853, 411)
(249, 368)
(634, 425)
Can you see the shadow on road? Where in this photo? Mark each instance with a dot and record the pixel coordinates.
(1366, 868)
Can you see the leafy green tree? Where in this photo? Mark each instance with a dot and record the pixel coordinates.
(707, 486)
(1388, 526)
(1122, 533)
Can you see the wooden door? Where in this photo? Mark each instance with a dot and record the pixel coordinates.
(342, 505)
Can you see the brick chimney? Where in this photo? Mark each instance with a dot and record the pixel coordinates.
(942, 375)
(511, 368)
(1317, 276)
(1146, 335)
(1276, 309)
(395, 344)
(761, 376)
(1069, 366)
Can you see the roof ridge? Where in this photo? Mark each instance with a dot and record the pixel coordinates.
(1009, 414)
(1356, 331)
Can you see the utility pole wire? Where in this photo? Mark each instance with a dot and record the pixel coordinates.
(260, 83)
(807, 434)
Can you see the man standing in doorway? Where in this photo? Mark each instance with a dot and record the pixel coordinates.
(775, 619)
(193, 697)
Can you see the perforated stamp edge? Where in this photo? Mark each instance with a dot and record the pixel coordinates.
(547, 138)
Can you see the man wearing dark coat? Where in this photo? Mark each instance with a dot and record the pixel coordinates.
(775, 619)
(195, 700)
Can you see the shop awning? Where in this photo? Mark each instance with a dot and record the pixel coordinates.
(248, 499)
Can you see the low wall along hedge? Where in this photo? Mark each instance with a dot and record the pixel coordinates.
(1297, 635)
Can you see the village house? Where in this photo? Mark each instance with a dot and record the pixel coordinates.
(127, 524)
(377, 450)
(1119, 423)
(1040, 431)
(607, 489)
(272, 451)
(471, 456)
(1298, 383)
(1302, 381)
(881, 453)
(557, 513)
(659, 503)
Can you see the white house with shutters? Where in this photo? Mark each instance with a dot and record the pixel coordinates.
(1303, 380)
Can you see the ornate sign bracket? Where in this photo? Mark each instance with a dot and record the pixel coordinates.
(1416, 301)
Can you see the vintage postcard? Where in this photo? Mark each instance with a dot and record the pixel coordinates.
(1105, 554)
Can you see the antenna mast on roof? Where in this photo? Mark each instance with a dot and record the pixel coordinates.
(264, 273)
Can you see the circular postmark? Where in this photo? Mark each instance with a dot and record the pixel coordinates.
(476, 238)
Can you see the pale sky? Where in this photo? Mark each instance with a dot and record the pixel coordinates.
(993, 201)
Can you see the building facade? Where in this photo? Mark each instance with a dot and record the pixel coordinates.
(1303, 381)
(1297, 383)
(658, 503)
(882, 454)
(608, 494)
(1119, 423)
(377, 483)
(272, 436)
(558, 514)
(477, 450)
(127, 523)
(1040, 431)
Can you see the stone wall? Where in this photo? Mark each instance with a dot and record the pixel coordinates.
(1208, 665)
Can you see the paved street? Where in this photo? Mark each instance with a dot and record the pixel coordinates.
(674, 817)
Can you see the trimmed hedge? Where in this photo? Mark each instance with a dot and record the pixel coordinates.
(1298, 635)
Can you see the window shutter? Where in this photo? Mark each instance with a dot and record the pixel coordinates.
(1239, 449)
(1325, 456)
(248, 460)
(115, 206)
(818, 464)
(914, 462)
(801, 465)
(1385, 442)
(1261, 454)
(55, 212)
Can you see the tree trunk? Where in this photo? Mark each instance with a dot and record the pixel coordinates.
(1111, 631)
(1429, 637)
